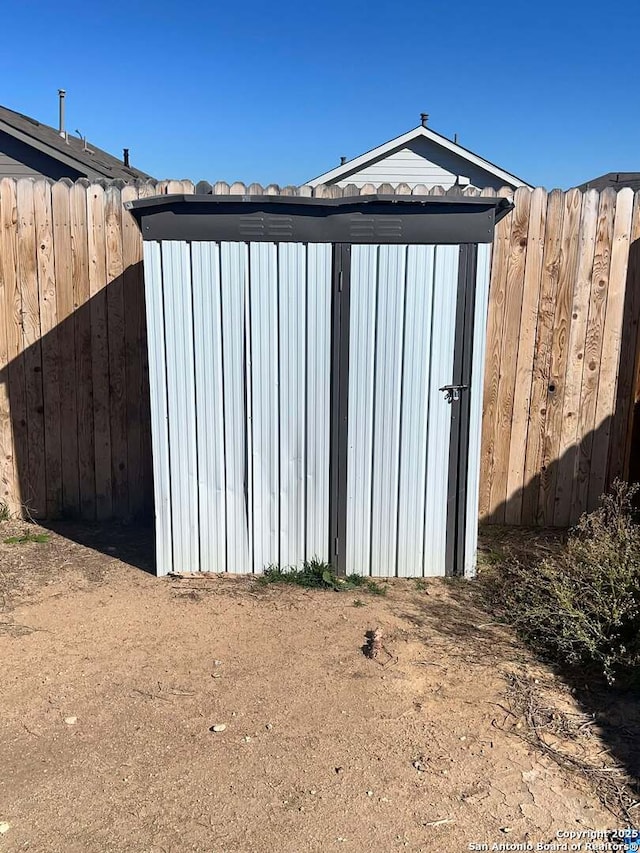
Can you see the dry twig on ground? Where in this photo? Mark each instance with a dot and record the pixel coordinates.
(539, 721)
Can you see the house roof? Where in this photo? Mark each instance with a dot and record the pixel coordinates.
(93, 162)
(343, 171)
(617, 180)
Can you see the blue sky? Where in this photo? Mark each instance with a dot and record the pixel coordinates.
(277, 91)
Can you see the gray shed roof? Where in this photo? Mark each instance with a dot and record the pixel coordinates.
(617, 180)
(94, 162)
(449, 219)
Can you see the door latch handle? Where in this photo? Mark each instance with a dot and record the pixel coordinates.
(452, 392)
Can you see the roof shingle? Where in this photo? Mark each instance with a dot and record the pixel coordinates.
(617, 180)
(91, 160)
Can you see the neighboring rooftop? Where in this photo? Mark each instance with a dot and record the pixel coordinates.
(28, 147)
(420, 156)
(617, 180)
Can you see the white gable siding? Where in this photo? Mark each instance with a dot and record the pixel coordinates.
(420, 162)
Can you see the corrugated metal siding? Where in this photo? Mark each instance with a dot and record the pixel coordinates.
(386, 409)
(416, 400)
(159, 408)
(477, 372)
(239, 348)
(265, 515)
(176, 275)
(439, 434)
(234, 286)
(292, 272)
(207, 318)
(403, 304)
(239, 360)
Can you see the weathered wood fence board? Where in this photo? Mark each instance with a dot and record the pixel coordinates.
(629, 354)
(511, 293)
(579, 294)
(573, 331)
(593, 351)
(16, 415)
(534, 251)
(561, 371)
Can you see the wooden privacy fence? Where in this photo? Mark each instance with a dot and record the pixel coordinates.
(562, 348)
(74, 400)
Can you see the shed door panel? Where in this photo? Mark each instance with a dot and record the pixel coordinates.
(402, 329)
(262, 367)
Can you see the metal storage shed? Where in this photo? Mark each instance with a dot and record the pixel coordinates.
(316, 379)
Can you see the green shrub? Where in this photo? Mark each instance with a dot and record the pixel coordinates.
(581, 606)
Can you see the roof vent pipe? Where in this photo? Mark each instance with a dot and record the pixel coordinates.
(61, 97)
(85, 147)
(125, 157)
(343, 160)
(455, 138)
(424, 118)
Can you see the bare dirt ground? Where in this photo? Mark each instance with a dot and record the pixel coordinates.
(112, 680)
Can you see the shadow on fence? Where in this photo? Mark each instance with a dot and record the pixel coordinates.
(79, 412)
(538, 485)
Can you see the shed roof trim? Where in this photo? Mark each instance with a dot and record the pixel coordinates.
(169, 200)
(343, 171)
(355, 219)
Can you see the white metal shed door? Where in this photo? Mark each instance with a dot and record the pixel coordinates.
(401, 350)
(240, 367)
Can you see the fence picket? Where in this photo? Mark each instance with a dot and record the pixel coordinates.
(526, 348)
(559, 353)
(117, 357)
(99, 349)
(82, 318)
(13, 402)
(542, 357)
(509, 342)
(133, 333)
(61, 209)
(43, 220)
(567, 453)
(629, 361)
(495, 326)
(31, 351)
(593, 352)
(611, 352)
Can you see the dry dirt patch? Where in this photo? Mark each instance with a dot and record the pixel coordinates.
(113, 679)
